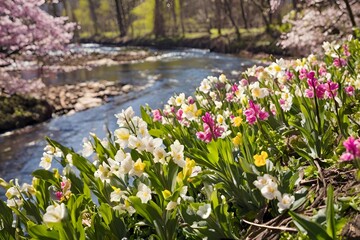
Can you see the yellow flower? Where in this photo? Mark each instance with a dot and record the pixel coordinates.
(237, 121)
(198, 113)
(260, 160)
(237, 141)
(166, 193)
(190, 164)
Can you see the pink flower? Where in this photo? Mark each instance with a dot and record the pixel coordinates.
(156, 115)
(320, 91)
(229, 97)
(190, 100)
(234, 88)
(211, 130)
(346, 50)
(339, 62)
(303, 73)
(254, 112)
(350, 90)
(179, 114)
(309, 93)
(331, 89)
(289, 75)
(322, 71)
(244, 82)
(346, 157)
(58, 195)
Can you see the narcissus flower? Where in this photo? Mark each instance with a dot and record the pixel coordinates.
(260, 160)
(144, 193)
(54, 214)
(204, 211)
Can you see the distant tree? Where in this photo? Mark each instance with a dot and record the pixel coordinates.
(120, 17)
(28, 31)
(93, 6)
(159, 24)
(321, 21)
(229, 13)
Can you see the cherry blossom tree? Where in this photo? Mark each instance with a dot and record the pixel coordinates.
(319, 21)
(27, 31)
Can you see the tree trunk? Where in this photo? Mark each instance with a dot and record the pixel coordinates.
(182, 17)
(218, 16)
(351, 15)
(243, 15)
(173, 13)
(93, 16)
(232, 20)
(120, 18)
(159, 29)
(72, 17)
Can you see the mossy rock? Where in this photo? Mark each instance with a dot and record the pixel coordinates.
(18, 111)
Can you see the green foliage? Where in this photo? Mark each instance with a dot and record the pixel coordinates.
(263, 150)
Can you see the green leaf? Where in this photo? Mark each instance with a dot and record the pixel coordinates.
(314, 230)
(330, 212)
(106, 213)
(156, 133)
(47, 176)
(213, 154)
(41, 232)
(145, 116)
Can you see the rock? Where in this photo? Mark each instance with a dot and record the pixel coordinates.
(87, 102)
(127, 88)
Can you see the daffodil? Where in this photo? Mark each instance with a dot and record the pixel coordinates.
(144, 193)
(54, 214)
(260, 160)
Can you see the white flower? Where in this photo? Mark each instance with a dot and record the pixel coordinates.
(144, 193)
(151, 143)
(205, 86)
(263, 181)
(159, 155)
(204, 211)
(46, 161)
(120, 155)
(87, 148)
(285, 202)
(270, 191)
(136, 143)
(122, 135)
(171, 205)
(180, 99)
(222, 78)
(103, 172)
(12, 192)
(114, 167)
(116, 195)
(69, 159)
(54, 214)
(14, 202)
(126, 164)
(177, 152)
(125, 116)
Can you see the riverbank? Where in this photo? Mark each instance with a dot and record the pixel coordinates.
(18, 111)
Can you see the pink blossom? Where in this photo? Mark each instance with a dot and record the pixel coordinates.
(234, 88)
(320, 91)
(211, 130)
(350, 90)
(244, 82)
(58, 195)
(309, 93)
(339, 62)
(346, 157)
(289, 75)
(179, 114)
(156, 115)
(229, 97)
(254, 112)
(303, 73)
(190, 100)
(322, 71)
(331, 89)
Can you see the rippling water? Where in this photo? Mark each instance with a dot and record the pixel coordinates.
(169, 72)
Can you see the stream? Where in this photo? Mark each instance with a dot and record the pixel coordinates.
(169, 72)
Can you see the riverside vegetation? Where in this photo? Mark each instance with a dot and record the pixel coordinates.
(273, 156)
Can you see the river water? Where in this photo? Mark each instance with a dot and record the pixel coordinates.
(175, 71)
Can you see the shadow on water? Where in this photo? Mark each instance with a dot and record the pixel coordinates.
(168, 73)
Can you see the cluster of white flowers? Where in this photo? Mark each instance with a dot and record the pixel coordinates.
(268, 187)
(49, 153)
(15, 193)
